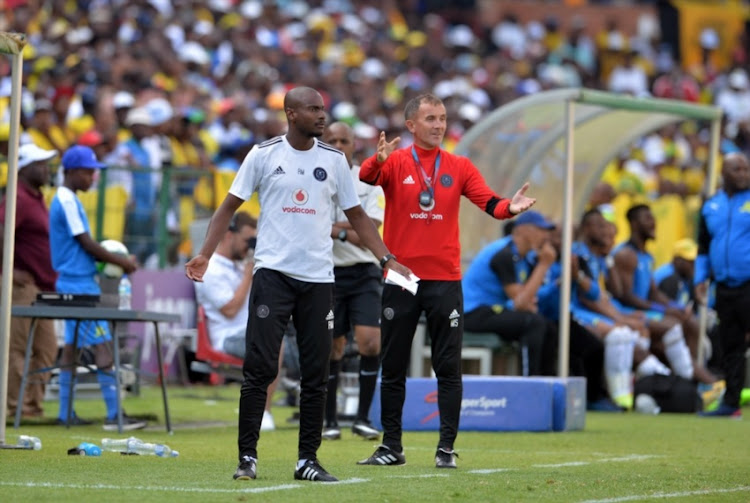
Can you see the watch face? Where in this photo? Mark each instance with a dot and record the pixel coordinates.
(342, 235)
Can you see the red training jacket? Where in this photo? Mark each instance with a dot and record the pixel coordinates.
(427, 241)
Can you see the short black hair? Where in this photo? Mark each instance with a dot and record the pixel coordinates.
(589, 214)
(633, 212)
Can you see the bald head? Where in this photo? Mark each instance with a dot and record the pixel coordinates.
(300, 97)
(340, 135)
(305, 115)
(735, 172)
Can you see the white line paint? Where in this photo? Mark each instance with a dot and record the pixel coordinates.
(423, 476)
(52, 485)
(683, 494)
(209, 490)
(632, 457)
(487, 471)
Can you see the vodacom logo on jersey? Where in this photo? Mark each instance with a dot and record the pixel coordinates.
(300, 198)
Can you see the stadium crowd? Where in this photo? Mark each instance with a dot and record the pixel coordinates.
(195, 84)
(192, 84)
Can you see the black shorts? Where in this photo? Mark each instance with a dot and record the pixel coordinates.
(357, 297)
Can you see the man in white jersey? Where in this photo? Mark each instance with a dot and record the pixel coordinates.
(357, 295)
(298, 180)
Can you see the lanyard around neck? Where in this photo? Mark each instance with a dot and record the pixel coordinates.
(425, 178)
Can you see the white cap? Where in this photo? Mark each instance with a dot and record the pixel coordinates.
(123, 99)
(138, 115)
(738, 79)
(469, 112)
(709, 39)
(193, 52)
(30, 153)
(160, 111)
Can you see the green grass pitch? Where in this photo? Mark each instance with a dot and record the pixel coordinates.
(617, 457)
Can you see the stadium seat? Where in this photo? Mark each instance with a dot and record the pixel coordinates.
(516, 355)
(211, 361)
(480, 347)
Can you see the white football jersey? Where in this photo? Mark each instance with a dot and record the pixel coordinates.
(373, 202)
(297, 191)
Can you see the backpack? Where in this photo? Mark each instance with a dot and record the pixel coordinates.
(672, 393)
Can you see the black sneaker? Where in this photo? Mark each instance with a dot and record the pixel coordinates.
(445, 458)
(331, 433)
(128, 423)
(365, 430)
(246, 469)
(384, 456)
(74, 421)
(312, 471)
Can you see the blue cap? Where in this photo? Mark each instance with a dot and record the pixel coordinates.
(533, 218)
(80, 156)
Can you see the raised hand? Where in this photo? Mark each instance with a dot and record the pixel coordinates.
(520, 201)
(386, 147)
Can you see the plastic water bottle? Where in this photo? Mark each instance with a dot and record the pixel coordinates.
(29, 442)
(161, 450)
(126, 445)
(125, 292)
(89, 449)
(133, 445)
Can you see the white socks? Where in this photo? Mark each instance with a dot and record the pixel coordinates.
(650, 366)
(618, 362)
(643, 342)
(677, 352)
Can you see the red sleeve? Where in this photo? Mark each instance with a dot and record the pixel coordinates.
(479, 193)
(370, 171)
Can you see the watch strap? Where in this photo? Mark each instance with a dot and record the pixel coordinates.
(386, 258)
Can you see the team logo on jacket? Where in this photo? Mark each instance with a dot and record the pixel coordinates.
(446, 180)
(263, 311)
(320, 174)
(388, 313)
(300, 197)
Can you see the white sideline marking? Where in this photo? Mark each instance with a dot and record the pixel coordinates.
(423, 476)
(487, 471)
(632, 457)
(670, 495)
(251, 490)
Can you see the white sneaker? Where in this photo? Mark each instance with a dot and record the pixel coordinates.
(267, 424)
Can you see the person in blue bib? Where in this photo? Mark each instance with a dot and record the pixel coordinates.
(74, 255)
(673, 328)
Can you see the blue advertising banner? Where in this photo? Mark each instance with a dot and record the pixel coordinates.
(497, 403)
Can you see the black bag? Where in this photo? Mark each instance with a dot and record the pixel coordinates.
(672, 393)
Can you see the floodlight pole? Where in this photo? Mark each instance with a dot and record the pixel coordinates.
(13, 44)
(567, 242)
(710, 189)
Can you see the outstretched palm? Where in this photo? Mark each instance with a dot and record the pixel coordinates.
(520, 201)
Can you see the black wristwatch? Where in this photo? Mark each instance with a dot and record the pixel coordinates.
(342, 235)
(386, 258)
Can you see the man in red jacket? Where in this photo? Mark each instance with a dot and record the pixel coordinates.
(423, 185)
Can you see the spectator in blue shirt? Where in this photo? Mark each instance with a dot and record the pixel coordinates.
(74, 255)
